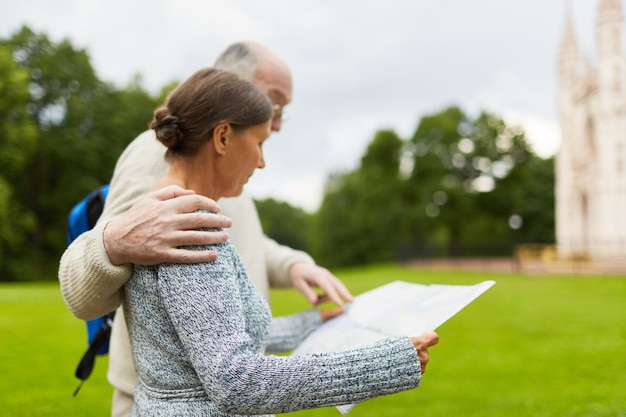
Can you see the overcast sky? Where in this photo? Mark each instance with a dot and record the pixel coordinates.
(358, 65)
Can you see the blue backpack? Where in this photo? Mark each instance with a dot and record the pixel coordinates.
(82, 218)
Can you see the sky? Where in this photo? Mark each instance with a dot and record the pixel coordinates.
(358, 65)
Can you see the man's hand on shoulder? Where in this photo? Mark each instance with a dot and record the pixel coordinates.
(153, 229)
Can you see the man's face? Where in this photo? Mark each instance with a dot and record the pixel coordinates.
(276, 83)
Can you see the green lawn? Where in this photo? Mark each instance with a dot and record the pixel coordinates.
(530, 346)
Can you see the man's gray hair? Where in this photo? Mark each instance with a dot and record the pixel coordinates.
(239, 59)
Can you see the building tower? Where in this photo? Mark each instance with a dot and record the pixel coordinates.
(591, 164)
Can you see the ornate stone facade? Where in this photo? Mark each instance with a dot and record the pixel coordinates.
(591, 163)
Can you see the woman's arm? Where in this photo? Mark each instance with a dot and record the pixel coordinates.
(288, 332)
(218, 328)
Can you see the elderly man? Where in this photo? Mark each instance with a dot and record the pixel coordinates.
(143, 227)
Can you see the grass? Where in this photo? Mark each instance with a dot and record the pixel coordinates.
(40, 346)
(530, 346)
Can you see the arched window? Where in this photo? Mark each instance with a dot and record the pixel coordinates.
(590, 137)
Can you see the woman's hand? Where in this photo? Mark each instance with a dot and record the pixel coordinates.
(422, 343)
(330, 314)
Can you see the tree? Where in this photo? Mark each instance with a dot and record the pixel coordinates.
(62, 82)
(362, 217)
(17, 140)
(458, 187)
(82, 125)
(284, 223)
(479, 195)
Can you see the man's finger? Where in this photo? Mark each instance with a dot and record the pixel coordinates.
(169, 192)
(196, 238)
(331, 294)
(184, 256)
(192, 202)
(342, 289)
(195, 220)
(185, 201)
(335, 290)
(308, 292)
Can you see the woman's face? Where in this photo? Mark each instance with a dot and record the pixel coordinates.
(245, 154)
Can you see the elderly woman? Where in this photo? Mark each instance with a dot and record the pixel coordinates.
(199, 332)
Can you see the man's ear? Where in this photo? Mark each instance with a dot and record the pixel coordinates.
(221, 136)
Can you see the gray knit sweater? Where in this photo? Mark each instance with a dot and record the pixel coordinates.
(199, 333)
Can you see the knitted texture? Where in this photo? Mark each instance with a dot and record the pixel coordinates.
(199, 334)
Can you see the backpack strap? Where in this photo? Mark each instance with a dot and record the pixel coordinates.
(83, 217)
(95, 205)
(85, 366)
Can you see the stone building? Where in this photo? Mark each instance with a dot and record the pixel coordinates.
(591, 164)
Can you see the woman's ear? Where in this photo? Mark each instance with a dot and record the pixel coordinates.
(221, 136)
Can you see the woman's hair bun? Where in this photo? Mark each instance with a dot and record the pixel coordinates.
(167, 127)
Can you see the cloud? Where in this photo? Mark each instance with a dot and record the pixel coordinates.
(358, 66)
(544, 135)
(302, 191)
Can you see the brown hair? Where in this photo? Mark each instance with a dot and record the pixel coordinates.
(207, 98)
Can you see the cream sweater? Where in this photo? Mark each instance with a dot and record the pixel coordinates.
(92, 286)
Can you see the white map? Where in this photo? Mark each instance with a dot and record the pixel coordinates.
(395, 309)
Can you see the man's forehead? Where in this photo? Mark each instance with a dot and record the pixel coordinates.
(275, 81)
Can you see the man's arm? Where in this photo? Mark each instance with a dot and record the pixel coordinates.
(135, 227)
(82, 265)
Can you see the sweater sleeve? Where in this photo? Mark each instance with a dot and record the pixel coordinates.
(241, 380)
(90, 284)
(288, 332)
(279, 259)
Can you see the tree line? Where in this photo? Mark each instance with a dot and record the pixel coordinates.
(460, 186)
(458, 183)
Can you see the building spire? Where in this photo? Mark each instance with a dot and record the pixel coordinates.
(568, 41)
(569, 55)
(610, 28)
